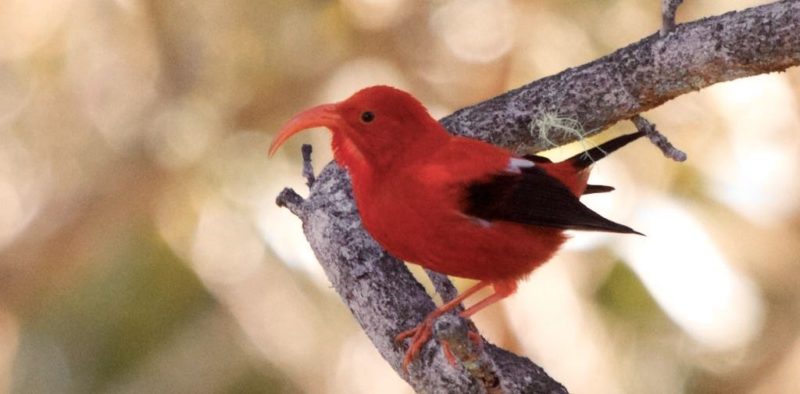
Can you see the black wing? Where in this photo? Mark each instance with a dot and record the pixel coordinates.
(536, 198)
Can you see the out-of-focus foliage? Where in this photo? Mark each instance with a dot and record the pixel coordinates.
(141, 250)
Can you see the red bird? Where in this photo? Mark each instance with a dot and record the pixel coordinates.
(454, 205)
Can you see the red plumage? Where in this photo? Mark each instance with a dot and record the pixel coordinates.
(455, 205)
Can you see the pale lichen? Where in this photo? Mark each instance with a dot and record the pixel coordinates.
(554, 129)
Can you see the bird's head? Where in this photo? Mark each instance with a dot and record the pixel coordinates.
(372, 127)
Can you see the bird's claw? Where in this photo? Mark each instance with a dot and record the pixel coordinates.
(419, 336)
(474, 338)
(448, 354)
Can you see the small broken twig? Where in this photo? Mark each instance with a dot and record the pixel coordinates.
(308, 168)
(658, 139)
(668, 10)
(443, 286)
(290, 199)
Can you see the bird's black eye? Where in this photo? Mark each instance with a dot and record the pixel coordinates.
(367, 116)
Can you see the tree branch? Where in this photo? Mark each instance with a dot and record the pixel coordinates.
(381, 293)
(640, 76)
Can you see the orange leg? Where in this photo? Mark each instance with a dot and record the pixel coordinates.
(501, 290)
(422, 332)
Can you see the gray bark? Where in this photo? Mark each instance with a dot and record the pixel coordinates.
(381, 293)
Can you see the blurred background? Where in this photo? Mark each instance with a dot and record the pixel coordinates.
(141, 250)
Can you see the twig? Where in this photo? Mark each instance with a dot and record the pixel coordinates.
(308, 168)
(658, 139)
(443, 286)
(668, 9)
(290, 199)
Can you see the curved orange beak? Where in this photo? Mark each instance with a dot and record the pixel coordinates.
(324, 115)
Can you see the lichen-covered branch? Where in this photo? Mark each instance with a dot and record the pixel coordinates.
(640, 76)
(381, 293)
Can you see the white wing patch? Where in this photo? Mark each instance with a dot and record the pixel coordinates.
(481, 222)
(515, 165)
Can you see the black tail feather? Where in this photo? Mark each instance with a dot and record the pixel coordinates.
(587, 158)
(591, 189)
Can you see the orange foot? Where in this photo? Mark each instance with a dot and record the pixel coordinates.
(422, 333)
(474, 337)
(419, 336)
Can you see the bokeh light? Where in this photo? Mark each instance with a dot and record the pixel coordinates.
(475, 30)
(691, 279)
